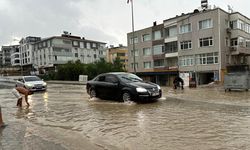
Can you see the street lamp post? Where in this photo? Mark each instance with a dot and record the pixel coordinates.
(133, 34)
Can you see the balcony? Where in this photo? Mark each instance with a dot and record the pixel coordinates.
(170, 55)
(237, 50)
(159, 56)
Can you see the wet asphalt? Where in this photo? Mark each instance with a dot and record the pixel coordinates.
(64, 117)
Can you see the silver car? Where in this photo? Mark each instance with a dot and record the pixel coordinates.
(32, 83)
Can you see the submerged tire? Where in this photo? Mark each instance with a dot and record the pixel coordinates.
(126, 96)
(92, 93)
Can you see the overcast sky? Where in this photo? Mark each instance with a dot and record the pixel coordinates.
(103, 20)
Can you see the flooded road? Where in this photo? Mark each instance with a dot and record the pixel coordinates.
(64, 117)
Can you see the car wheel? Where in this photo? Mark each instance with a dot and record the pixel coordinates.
(92, 93)
(126, 97)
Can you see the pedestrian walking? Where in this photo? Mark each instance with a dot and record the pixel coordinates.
(21, 90)
(178, 82)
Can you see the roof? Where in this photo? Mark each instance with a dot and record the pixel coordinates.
(69, 38)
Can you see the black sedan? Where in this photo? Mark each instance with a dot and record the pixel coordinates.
(123, 87)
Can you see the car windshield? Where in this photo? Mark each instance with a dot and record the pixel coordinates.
(126, 77)
(29, 79)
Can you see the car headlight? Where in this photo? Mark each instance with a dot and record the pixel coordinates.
(158, 87)
(29, 85)
(141, 90)
(44, 84)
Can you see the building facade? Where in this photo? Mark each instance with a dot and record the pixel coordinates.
(50, 52)
(6, 52)
(121, 52)
(150, 55)
(15, 56)
(199, 45)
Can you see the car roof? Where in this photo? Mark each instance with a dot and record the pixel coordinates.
(117, 73)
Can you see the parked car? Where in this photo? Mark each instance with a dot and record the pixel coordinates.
(123, 87)
(32, 83)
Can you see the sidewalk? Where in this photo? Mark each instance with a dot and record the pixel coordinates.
(208, 94)
(66, 82)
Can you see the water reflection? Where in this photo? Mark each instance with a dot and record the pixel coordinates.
(24, 112)
(45, 98)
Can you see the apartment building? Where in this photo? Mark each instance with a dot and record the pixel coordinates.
(6, 53)
(15, 55)
(50, 52)
(150, 60)
(119, 51)
(198, 45)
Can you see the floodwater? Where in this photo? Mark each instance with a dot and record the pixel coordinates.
(64, 117)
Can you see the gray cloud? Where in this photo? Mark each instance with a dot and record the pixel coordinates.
(104, 20)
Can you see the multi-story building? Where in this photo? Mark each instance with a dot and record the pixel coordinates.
(150, 56)
(200, 45)
(121, 52)
(15, 56)
(56, 50)
(26, 50)
(6, 53)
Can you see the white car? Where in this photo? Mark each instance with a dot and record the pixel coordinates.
(32, 83)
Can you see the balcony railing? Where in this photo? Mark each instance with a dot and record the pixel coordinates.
(236, 50)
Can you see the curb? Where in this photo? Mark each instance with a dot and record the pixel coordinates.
(66, 82)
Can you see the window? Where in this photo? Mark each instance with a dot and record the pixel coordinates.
(171, 47)
(147, 51)
(204, 24)
(101, 78)
(207, 58)
(135, 40)
(81, 45)
(171, 31)
(111, 79)
(241, 41)
(234, 42)
(146, 37)
(186, 60)
(76, 54)
(241, 25)
(157, 49)
(88, 45)
(206, 42)
(147, 65)
(159, 63)
(157, 35)
(75, 43)
(66, 41)
(136, 53)
(136, 65)
(248, 43)
(186, 45)
(185, 28)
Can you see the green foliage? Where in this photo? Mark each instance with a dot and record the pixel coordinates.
(72, 70)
